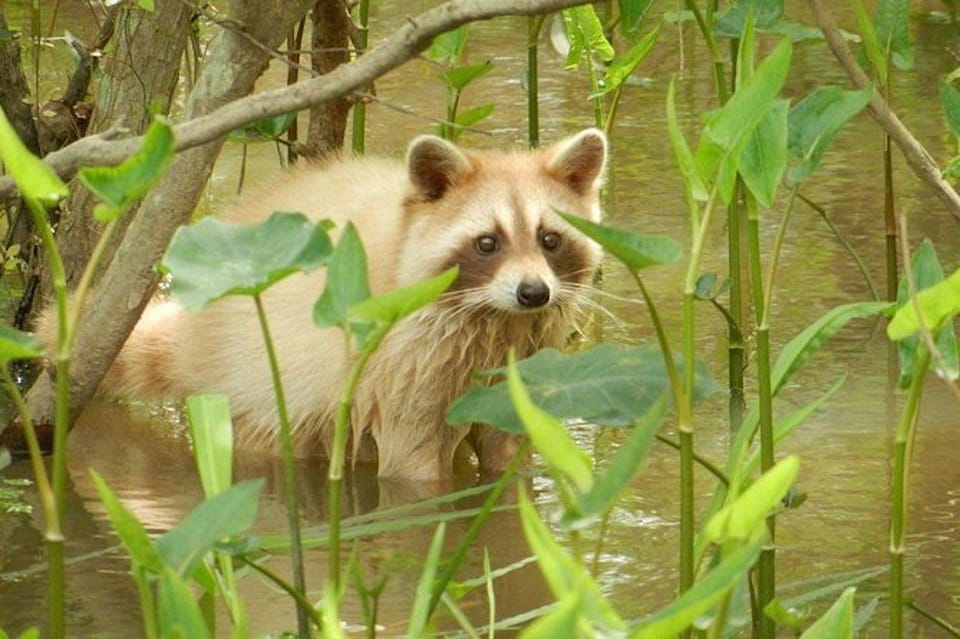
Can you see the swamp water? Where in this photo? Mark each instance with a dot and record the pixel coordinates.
(844, 449)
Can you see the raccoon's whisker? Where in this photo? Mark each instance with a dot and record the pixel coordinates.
(593, 290)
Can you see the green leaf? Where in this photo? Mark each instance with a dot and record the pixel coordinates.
(119, 187)
(131, 532)
(35, 180)
(474, 115)
(177, 609)
(212, 259)
(693, 184)
(264, 129)
(392, 306)
(16, 345)
(585, 32)
(609, 385)
(816, 120)
(741, 519)
(448, 47)
(420, 613)
(563, 575)
(146, 5)
(548, 435)
(631, 16)
(347, 283)
(211, 432)
(704, 595)
(892, 19)
(927, 272)
(938, 304)
(764, 158)
(229, 513)
(730, 23)
(562, 622)
(950, 101)
(871, 43)
(623, 65)
(459, 77)
(617, 475)
(634, 250)
(837, 622)
(798, 350)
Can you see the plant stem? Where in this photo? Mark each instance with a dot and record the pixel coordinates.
(901, 472)
(358, 138)
(735, 359)
(889, 214)
(534, 24)
(303, 603)
(767, 562)
(706, 30)
(289, 471)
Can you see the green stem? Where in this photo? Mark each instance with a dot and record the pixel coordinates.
(303, 604)
(901, 476)
(451, 565)
(706, 31)
(358, 138)
(289, 470)
(735, 359)
(775, 258)
(594, 89)
(890, 219)
(700, 459)
(534, 24)
(767, 565)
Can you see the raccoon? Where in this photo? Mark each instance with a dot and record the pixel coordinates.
(523, 277)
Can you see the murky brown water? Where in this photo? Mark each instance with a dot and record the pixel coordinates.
(845, 448)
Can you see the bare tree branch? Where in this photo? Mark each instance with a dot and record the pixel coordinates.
(406, 42)
(916, 155)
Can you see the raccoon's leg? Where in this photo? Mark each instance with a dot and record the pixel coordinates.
(494, 448)
(425, 455)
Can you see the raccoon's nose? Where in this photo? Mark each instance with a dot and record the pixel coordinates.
(533, 293)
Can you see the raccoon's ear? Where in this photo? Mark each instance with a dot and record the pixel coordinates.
(435, 164)
(579, 161)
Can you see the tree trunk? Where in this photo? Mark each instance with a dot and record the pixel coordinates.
(14, 92)
(329, 44)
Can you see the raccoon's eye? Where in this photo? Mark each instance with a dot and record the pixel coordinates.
(550, 241)
(487, 244)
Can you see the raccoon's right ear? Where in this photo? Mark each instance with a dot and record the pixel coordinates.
(435, 165)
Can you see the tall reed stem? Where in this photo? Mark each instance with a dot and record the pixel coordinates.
(735, 358)
(890, 219)
(289, 471)
(534, 24)
(358, 137)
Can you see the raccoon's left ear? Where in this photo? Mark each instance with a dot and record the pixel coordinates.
(434, 165)
(579, 161)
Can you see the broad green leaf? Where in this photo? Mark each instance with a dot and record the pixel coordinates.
(927, 272)
(693, 184)
(563, 622)
(631, 15)
(816, 120)
(392, 306)
(147, 5)
(459, 77)
(764, 158)
(892, 20)
(703, 596)
(623, 65)
(229, 513)
(212, 259)
(938, 304)
(608, 485)
(475, 114)
(178, 614)
(585, 32)
(420, 614)
(35, 180)
(563, 575)
(798, 350)
(730, 23)
(609, 385)
(211, 432)
(634, 250)
(950, 101)
(16, 345)
(448, 47)
(837, 622)
(740, 519)
(548, 435)
(875, 53)
(347, 282)
(264, 129)
(119, 187)
(747, 49)
(131, 532)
